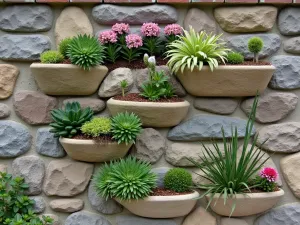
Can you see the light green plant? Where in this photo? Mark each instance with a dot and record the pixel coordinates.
(255, 45)
(230, 175)
(64, 45)
(51, 57)
(97, 127)
(178, 180)
(125, 127)
(124, 85)
(193, 50)
(127, 179)
(85, 51)
(235, 58)
(67, 122)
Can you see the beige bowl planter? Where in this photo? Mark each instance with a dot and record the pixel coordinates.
(162, 206)
(246, 204)
(226, 81)
(67, 79)
(152, 114)
(92, 151)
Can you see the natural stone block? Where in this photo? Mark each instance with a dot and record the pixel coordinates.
(66, 205)
(86, 218)
(200, 216)
(135, 220)
(160, 173)
(292, 45)
(289, 21)
(4, 111)
(223, 106)
(232, 221)
(39, 204)
(8, 78)
(3, 168)
(97, 105)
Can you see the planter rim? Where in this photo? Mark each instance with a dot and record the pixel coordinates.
(61, 65)
(255, 195)
(152, 104)
(170, 198)
(233, 67)
(87, 142)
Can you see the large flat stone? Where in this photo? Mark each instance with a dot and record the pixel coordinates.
(135, 220)
(287, 74)
(288, 214)
(206, 127)
(200, 216)
(244, 19)
(223, 106)
(239, 43)
(97, 105)
(108, 14)
(66, 205)
(292, 45)
(15, 139)
(23, 47)
(39, 204)
(160, 174)
(26, 18)
(8, 78)
(272, 106)
(232, 221)
(86, 218)
(282, 138)
(4, 111)
(32, 168)
(289, 21)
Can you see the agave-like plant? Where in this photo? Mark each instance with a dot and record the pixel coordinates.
(67, 122)
(85, 51)
(193, 50)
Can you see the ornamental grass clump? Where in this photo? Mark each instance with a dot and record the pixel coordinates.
(126, 179)
(51, 57)
(193, 50)
(255, 45)
(178, 180)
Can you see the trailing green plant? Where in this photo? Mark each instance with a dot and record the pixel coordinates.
(51, 57)
(97, 127)
(85, 51)
(15, 207)
(178, 180)
(125, 127)
(67, 122)
(124, 85)
(64, 45)
(230, 174)
(235, 58)
(192, 50)
(126, 179)
(255, 45)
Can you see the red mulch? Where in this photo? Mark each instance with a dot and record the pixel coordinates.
(102, 139)
(166, 192)
(135, 97)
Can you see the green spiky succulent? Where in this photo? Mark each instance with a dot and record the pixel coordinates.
(97, 127)
(85, 51)
(67, 122)
(178, 179)
(127, 179)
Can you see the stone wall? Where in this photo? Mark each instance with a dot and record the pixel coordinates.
(61, 186)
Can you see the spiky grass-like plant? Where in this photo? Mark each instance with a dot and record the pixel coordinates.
(85, 51)
(230, 174)
(127, 179)
(125, 127)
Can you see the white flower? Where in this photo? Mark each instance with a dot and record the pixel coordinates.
(152, 60)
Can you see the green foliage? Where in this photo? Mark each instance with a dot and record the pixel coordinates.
(97, 127)
(193, 50)
(125, 127)
(124, 85)
(229, 174)
(178, 180)
(64, 45)
(85, 51)
(112, 52)
(67, 122)
(235, 58)
(127, 179)
(264, 185)
(255, 44)
(51, 57)
(15, 207)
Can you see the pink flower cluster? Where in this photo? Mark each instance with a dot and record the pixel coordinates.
(108, 36)
(150, 29)
(173, 29)
(121, 28)
(134, 41)
(269, 173)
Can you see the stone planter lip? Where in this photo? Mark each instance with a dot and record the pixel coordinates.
(151, 104)
(61, 65)
(261, 195)
(231, 66)
(86, 141)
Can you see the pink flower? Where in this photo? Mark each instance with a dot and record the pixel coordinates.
(108, 36)
(174, 29)
(150, 29)
(269, 173)
(134, 41)
(121, 28)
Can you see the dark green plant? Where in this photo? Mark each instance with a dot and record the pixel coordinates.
(229, 174)
(15, 207)
(112, 52)
(97, 127)
(64, 45)
(178, 180)
(51, 57)
(127, 179)
(125, 127)
(124, 85)
(264, 185)
(85, 51)
(67, 122)
(255, 45)
(235, 58)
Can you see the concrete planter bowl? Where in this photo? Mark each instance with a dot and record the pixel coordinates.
(162, 206)
(246, 204)
(67, 79)
(227, 81)
(152, 114)
(92, 151)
